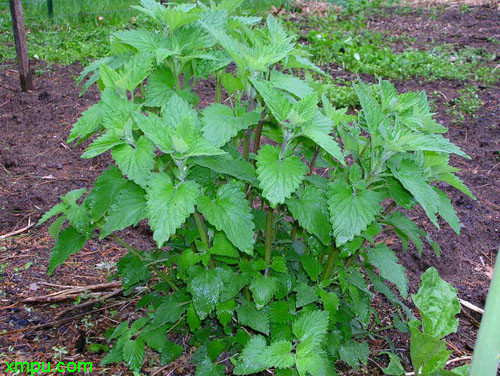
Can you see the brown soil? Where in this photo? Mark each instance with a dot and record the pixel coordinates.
(36, 166)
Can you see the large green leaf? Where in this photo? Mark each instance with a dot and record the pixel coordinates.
(257, 320)
(351, 212)
(231, 213)
(156, 129)
(136, 162)
(70, 241)
(128, 209)
(312, 325)
(205, 288)
(169, 206)
(385, 260)
(278, 177)
(319, 130)
(252, 358)
(310, 208)
(221, 123)
(279, 355)
(276, 101)
(438, 304)
(133, 354)
(428, 353)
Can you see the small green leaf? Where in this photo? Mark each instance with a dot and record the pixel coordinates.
(279, 355)
(354, 352)
(133, 354)
(136, 162)
(428, 353)
(225, 311)
(263, 289)
(132, 270)
(257, 320)
(305, 294)
(70, 241)
(169, 311)
(385, 260)
(252, 358)
(312, 325)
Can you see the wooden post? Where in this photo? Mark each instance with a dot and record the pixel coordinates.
(16, 11)
(50, 8)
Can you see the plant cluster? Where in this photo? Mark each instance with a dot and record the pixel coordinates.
(266, 206)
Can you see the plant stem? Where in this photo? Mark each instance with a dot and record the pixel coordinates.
(258, 135)
(246, 145)
(330, 262)
(269, 236)
(164, 276)
(218, 91)
(203, 235)
(293, 233)
(313, 160)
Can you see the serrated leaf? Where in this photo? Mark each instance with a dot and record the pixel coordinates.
(231, 213)
(169, 206)
(263, 289)
(208, 368)
(291, 84)
(257, 320)
(407, 229)
(385, 260)
(136, 162)
(128, 209)
(277, 102)
(237, 168)
(55, 210)
(278, 178)
(87, 124)
(311, 361)
(252, 359)
(132, 270)
(169, 311)
(411, 177)
(279, 355)
(223, 247)
(225, 311)
(447, 211)
(156, 129)
(438, 304)
(354, 352)
(330, 302)
(106, 188)
(312, 325)
(310, 208)
(133, 354)
(205, 288)
(192, 318)
(70, 241)
(305, 294)
(221, 124)
(319, 130)
(351, 212)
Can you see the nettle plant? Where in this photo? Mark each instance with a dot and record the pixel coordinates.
(266, 208)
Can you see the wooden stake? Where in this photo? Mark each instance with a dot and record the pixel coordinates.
(16, 11)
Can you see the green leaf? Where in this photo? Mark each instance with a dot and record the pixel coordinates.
(406, 229)
(231, 213)
(312, 325)
(225, 312)
(252, 358)
(311, 265)
(192, 318)
(70, 241)
(438, 304)
(208, 368)
(385, 260)
(305, 294)
(223, 247)
(351, 212)
(156, 129)
(319, 130)
(263, 289)
(136, 162)
(128, 209)
(205, 288)
(330, 302)
(447, 211)
(87, 124)
(310, 208)
(257, 320)
(169, 206)
(395, 367)
(291, 84)
(133, 354)
(221, 124)
(311, 361)
(132, 270)
(160, 87)
(278, 177)
(106, 188)
(224, 164)
(428, 353)
(169, 311)
(277, 102)
(410, 175)
(354, 352)
(279, 355)
(55, 210)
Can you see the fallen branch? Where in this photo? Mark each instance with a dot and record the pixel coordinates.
(71, 293)
(471, 306)
(88, 303)
(17, 232)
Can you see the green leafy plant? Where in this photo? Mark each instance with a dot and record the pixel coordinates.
(266, 206)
